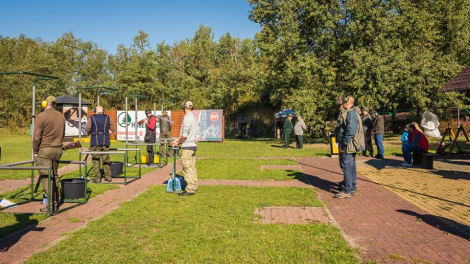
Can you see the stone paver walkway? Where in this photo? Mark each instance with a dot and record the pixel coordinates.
(15, 249)
(8, 185)
(385, 227)
(292, 215)
(443, 191)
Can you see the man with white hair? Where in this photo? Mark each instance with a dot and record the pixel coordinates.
(299, 132)
(100, 126)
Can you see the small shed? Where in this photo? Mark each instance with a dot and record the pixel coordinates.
(460, 83)
(284, 113)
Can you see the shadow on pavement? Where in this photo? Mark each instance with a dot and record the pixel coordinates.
(442, 223)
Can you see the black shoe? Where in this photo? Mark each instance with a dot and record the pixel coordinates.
(185, 194)
(150, 165)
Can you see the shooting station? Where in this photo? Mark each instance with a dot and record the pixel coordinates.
(460, 83)
(77, 198)
(117, 168)
(139, 139)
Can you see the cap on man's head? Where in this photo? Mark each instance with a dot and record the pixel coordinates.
(51, 99)
(164, 113)
(373, 112)
(289, 115)
(365, 109)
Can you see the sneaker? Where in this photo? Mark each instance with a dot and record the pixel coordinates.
(406, 164)
(150, 165)
(342, 195)
(354, 192)
(185, 194)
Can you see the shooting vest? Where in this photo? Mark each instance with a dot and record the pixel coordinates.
(99, 130)
(357, 142)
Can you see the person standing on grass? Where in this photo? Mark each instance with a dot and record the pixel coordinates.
(165, 133)
(49, 132)
(352, 141)
(150, 135)
(100, 126)
(287, 130)
(419, 144)
(188, 143)
(299, 132)
(367, 125)
(378, 131)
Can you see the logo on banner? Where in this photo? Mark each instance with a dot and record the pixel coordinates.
(122, 122)
(214, 116)
(141, 133)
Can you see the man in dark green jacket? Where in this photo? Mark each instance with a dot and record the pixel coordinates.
(367, 125)
(287, 130)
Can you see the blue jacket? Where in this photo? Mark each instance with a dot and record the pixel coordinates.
(99, 130)
(405, 138)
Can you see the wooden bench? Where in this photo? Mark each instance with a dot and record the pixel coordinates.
(424, 159)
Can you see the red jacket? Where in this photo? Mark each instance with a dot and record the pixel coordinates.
(420, 140)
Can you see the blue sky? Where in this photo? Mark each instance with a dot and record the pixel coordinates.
(110, 23)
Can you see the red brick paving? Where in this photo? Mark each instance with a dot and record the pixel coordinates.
(381, 223)
(292, 215)
(7, 185)
(17, 248)
(255, 183)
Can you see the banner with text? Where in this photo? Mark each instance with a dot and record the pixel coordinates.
(131, 122)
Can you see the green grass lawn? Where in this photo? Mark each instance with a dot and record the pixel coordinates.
(245, 169)
(216, 226)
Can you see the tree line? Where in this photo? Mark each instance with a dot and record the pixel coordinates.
(390, 55)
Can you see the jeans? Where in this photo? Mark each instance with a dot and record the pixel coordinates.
(348, 165)
(379, 144)
(409, 149)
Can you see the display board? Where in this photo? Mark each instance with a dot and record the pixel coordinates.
(71, 117)
(130, 121)
(210, 125)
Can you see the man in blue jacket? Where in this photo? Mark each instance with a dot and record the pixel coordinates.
(100, 126)
(352, 142)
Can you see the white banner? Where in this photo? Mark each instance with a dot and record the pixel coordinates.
(71, 117)
(131, 123)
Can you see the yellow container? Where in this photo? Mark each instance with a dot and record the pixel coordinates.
(145, 159)
(334, 148)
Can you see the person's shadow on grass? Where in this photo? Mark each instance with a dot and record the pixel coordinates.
(12, 234)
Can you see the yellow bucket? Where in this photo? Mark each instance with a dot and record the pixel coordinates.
(145, 159)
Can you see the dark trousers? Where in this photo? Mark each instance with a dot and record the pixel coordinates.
(409, 149)
(151, 153)
(299, 141)
(349, 172)
(286, 140)
(368, 142)
(50, 157)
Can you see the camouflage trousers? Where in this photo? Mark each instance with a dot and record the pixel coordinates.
(50, 157)
(97, 163)
(188, 160)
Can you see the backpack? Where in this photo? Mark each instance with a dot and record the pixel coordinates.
(358, 143)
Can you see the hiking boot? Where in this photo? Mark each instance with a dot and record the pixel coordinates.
(109, 179)
(185, 194)
(342, 195)
(97, 180)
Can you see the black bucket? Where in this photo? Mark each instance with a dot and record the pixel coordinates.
(73, 188)
(116, 168)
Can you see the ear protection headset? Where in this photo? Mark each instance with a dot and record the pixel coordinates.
(44, 102)
(147, 112)
(94, 110)
(184, 104)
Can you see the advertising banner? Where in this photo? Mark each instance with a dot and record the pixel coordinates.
(71, 117)
(130, 122)
(209, 125)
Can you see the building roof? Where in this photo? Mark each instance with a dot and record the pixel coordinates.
(461, 82)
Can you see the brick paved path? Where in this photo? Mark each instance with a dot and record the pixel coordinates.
(7, 185)
(384, 226)
(292, 215)
(19, 247)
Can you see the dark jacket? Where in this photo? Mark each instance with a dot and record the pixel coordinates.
(378, 126)
(49, 130)
(100, 124)
(367, 124)
(339, 130)
(288, 127)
